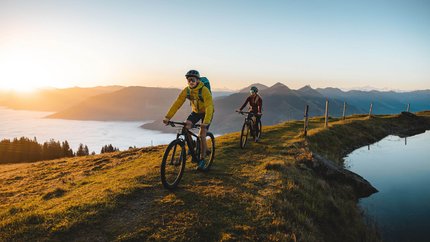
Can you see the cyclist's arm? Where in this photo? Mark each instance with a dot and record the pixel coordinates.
(177, 104)
(246, 102)
(260, 105)
(209, 105)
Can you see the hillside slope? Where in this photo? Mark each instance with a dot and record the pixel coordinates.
(280, 103)
(265, 192)
(129, 103)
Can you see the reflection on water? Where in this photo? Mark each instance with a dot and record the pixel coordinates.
(401, 173)
(94, 134)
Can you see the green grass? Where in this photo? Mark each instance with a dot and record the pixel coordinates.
(264, 192)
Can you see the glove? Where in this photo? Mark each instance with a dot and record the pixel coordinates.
(166, 120)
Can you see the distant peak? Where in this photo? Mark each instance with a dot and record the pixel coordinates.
(279, 85)
(307, 87)
(309, 91)
(258, 85)
(332, 88)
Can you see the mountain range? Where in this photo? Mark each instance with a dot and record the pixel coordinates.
(51, 100)
(280, 103)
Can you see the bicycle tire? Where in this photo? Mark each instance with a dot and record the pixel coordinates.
(168, 163)
(244, 135)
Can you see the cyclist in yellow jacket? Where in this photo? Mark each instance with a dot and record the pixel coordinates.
(201, 105)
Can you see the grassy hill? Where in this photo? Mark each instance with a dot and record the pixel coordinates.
(265, 192)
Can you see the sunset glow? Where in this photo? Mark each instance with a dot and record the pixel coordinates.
(153, 43)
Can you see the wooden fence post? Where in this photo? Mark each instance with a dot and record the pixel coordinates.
(326, 113)
(344, 111)
(370, 109)
(306, 119)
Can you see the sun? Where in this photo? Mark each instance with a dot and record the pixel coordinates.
(23, 70)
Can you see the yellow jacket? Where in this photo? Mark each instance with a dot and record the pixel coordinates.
(197, 106)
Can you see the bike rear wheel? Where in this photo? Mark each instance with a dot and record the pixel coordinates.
(244, 135)
(173, 164)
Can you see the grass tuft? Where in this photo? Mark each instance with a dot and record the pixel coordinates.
(57, 192)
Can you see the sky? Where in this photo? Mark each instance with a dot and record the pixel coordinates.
(322, 43)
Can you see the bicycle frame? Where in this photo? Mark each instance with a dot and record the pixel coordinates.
(248, 119)
(173, 162)
(188, 139)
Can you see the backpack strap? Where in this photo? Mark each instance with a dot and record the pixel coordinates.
(256, 98)
(188, 93)
(200, 94)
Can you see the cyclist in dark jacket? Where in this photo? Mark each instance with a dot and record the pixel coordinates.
(255, 105)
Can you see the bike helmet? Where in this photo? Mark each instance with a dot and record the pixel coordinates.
(254, 89)
(192, 73)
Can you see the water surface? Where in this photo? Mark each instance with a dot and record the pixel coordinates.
(400, 169)
(94, 134)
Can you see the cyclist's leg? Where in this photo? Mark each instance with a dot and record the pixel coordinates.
(255, 121)
(258, 121)
(190, 122)
(204, 145)
(192, 119)
(251, 117)
(202, 135)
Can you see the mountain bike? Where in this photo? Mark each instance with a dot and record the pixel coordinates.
(175, 155)
(249, 127)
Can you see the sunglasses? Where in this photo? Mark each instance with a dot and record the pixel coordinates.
(191, 80)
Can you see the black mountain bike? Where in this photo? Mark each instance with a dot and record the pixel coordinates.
(173, 164)
(249, 128)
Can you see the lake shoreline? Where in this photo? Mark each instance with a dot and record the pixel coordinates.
(399, 168)
(264, 192)
(94, 134)
(343, 137)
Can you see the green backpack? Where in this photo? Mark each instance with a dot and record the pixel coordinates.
(206, 83)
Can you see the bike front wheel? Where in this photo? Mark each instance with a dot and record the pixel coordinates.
(173, 164)
(244, 135)
(210, 152)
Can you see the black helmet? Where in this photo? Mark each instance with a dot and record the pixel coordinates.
(192, 73)
(254, 89)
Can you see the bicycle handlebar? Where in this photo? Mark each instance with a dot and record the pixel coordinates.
(173, 124)
(243, 112)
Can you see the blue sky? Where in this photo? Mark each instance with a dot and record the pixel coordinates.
(347, 44)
